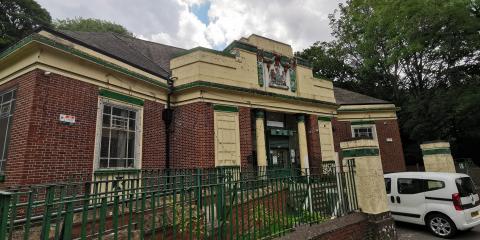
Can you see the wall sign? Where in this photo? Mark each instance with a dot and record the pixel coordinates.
(67, 119)
(277, 71)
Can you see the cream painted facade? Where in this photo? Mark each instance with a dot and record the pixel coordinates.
(240, 76)
(437, 157)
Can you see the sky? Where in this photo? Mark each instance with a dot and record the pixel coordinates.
(208, 23)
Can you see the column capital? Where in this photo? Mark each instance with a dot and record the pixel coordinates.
(259, 113)
(300, 117)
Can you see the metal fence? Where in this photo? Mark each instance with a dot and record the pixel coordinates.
(467, 166)
(221, 203)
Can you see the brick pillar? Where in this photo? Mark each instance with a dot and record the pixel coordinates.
(437, 157)
(302, 141)
(370, 186)
(260, 138)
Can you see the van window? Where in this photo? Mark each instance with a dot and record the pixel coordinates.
(465, 186)
(410, 185)
(388, 185)
(435, 185)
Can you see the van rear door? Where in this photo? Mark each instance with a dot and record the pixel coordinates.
(469, 198)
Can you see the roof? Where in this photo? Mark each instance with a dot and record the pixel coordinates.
(438, 175)
(346, 97)
(148, 56)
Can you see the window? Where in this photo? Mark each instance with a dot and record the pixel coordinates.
(388, 185)
(7, 105)
(465, 186)
(413, 186)
(363, 131)
(433, 185)
(119, 136)
(410, 186)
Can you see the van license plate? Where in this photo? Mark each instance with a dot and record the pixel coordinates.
(474, 214)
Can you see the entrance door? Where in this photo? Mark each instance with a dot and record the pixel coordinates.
(279, 157)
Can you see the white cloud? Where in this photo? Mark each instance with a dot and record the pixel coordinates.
(296, 22)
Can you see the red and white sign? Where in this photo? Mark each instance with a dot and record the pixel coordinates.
(67, 119)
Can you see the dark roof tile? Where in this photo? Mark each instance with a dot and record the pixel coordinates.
(346, 97)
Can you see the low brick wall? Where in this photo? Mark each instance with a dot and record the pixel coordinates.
(351, 227)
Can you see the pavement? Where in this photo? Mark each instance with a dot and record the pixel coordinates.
(407, 231)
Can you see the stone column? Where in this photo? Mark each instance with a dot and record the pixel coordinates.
(370, 186)
(260, 138)
(437, 157)
(302, 141)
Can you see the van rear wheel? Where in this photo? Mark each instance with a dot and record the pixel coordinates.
(441, 225)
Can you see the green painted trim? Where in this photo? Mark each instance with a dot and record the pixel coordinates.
(43, 40)
(362, 122)
(250, 91)
(361, 152)
(396, 109)
(241, 45)
(121, 97)
(115, 171)
(224, 108)
(196, 49)
(436, 151)
(2, 178)
(324, 118)
(259, 113)
(281, 132)
(328, 161)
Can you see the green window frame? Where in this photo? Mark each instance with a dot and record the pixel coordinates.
(7, 107)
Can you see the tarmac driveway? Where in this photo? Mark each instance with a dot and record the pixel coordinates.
(408, 231)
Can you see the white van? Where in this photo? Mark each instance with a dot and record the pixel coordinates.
(444, 202)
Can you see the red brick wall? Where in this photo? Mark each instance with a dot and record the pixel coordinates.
(192, 143)
(341, 132)
(153, 149)
(391, 152)
(51, 151)
(19, 132)
(246, 141)
(313, 141)
(44, 150)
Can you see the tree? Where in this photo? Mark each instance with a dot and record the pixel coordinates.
(18, 18)
(422, 55)
(90, 25)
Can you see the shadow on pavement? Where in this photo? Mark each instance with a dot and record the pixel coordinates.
(407, 231)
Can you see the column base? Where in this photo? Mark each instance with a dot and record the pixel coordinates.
(381, 226)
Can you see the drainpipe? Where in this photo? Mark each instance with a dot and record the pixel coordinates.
(167, 118)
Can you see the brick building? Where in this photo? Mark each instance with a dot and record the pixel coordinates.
(77, 103)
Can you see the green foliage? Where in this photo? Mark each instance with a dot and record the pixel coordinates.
(18, 18)
(422, 55)
(90, 25)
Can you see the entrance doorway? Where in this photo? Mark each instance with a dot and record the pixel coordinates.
(282, 140)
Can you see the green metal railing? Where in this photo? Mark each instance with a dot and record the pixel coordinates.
(222, 203)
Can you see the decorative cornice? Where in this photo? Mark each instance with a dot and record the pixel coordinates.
(387, 109)
(250, 91)
(360, 152)
(46, 41)
(121, 97)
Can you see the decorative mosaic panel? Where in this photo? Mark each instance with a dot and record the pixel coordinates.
(276, 71)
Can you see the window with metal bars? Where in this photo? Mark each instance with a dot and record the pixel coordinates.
(118, 137)
(7, 105)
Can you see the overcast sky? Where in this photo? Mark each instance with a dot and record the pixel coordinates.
(208, 23)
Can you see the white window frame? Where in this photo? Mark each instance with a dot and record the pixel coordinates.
(138, 133)
(372, 126)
